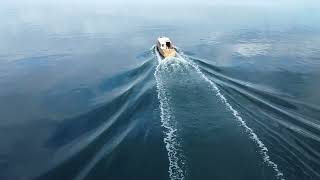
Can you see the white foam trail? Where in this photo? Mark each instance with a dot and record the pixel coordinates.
(175, 170)
(253, 135)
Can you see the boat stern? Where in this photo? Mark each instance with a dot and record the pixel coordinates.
(169, 53)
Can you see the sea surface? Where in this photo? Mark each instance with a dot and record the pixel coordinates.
(84, 95)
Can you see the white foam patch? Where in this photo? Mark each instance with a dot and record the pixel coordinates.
(253, 135)
(251, 49)
(172, 144)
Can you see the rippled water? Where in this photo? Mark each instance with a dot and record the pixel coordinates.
(84, 94)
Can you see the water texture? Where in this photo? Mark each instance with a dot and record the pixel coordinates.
(84, 94)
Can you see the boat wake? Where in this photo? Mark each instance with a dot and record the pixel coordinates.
(253, 135)
(168, 122)
(194, 136)
(178, 64)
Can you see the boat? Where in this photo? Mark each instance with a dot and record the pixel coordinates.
(165, 47)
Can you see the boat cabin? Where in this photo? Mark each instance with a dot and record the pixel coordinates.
(164, 43)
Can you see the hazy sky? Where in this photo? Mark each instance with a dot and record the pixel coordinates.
(182, 2)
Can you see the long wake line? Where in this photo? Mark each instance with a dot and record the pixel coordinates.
(253, 135)
(175, 171)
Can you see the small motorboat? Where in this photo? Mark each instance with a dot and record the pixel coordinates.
(165, 47)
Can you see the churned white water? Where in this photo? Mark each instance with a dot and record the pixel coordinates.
(170, 139)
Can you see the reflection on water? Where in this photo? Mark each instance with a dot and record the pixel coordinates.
(79, 100)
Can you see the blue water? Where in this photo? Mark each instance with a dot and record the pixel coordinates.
(85, 95)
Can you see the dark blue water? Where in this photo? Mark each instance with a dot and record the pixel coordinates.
(84, 95)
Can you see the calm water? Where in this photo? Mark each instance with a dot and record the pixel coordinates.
(84, 95)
